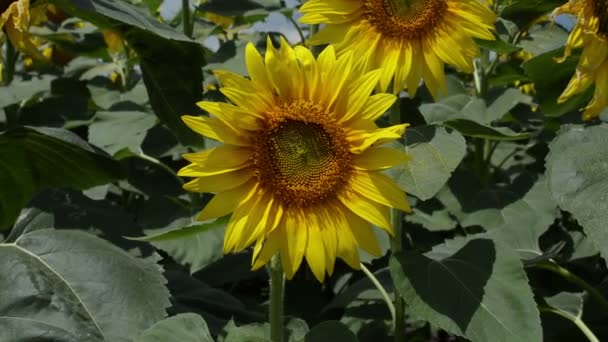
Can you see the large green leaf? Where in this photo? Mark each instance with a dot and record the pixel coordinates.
(473, 288)
(34, 159)
(113, 13)
(114, 131)
(76, 283)
(197, 245)
(174, 91)
(476, 130)
(183, 328)
(577, 166)
(524, 12)
(330, 331)
(434, 153)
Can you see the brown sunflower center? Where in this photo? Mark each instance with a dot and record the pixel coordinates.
(601, 11)
(302, 155)
(405, 19)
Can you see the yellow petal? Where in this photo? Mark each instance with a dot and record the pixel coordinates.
(369, 210)
(215, 129)
(359, 93)
(220, 182)
(266, 249)
(364, 234)
(232, 116)
(380, 188)
(296, 238)
(256, 68)
(362, 140)
(215, 161)
(377, 105)
(379, 158)
(315, 248)
(225, 202)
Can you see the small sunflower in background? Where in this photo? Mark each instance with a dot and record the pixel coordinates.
(300, 165)
(590, 34)
(409, 39)
(16, 20)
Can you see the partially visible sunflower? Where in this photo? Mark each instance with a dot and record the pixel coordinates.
(590, 34)
(300, 166)
(16, 20)
(408, 39)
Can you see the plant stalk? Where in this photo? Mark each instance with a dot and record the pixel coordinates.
(277, 287)
(576, 320)
(397, 245)
(11, 59)
(574, 279)
(381, 289)
(187, 18)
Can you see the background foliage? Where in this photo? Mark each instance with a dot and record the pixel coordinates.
(507, 240)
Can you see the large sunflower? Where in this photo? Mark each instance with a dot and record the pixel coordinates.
(590, 34)
(299, 167)
(409, 39)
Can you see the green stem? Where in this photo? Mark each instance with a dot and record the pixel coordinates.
(576, 320)
(11, 59)
(277, 283)
(187, 18)
(381, 289)
(574, 279)
(397, 245)
(298, 28)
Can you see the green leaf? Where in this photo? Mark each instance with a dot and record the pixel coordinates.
(52, 271)
(497, 45)
(524, 12)
(434, 153)
(473, 288)
(186, 327)
(571, 303)
(198, 245)
(250, 332)
(476, 130)
(330, 331)
(113, 131)
(576, 170)
(20, 90)
(35, 159)
(174, 91)
(239, 7)
(112, 13)
(550, 80)
(505, 102)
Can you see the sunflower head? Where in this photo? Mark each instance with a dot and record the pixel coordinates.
(16, 20)
(300, 165)
(591, 34)
(409, 39)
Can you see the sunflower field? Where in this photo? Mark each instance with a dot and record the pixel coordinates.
(303, 170)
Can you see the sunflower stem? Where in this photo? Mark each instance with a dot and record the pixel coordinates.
(277, 285)
(11, 60)
(187, 18)
(576, 320)
(381, 289)
(397, 244)
(574, 279)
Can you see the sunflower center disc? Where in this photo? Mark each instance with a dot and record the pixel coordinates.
(405, 19)
(303, 163)
(601, 11)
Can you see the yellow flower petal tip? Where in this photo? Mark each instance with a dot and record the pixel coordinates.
(409, 40)
(590, 34)
(300, 165)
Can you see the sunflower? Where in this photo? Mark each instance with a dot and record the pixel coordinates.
(300, 165)
(408, 39)
(16, 19)
(590, 34)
